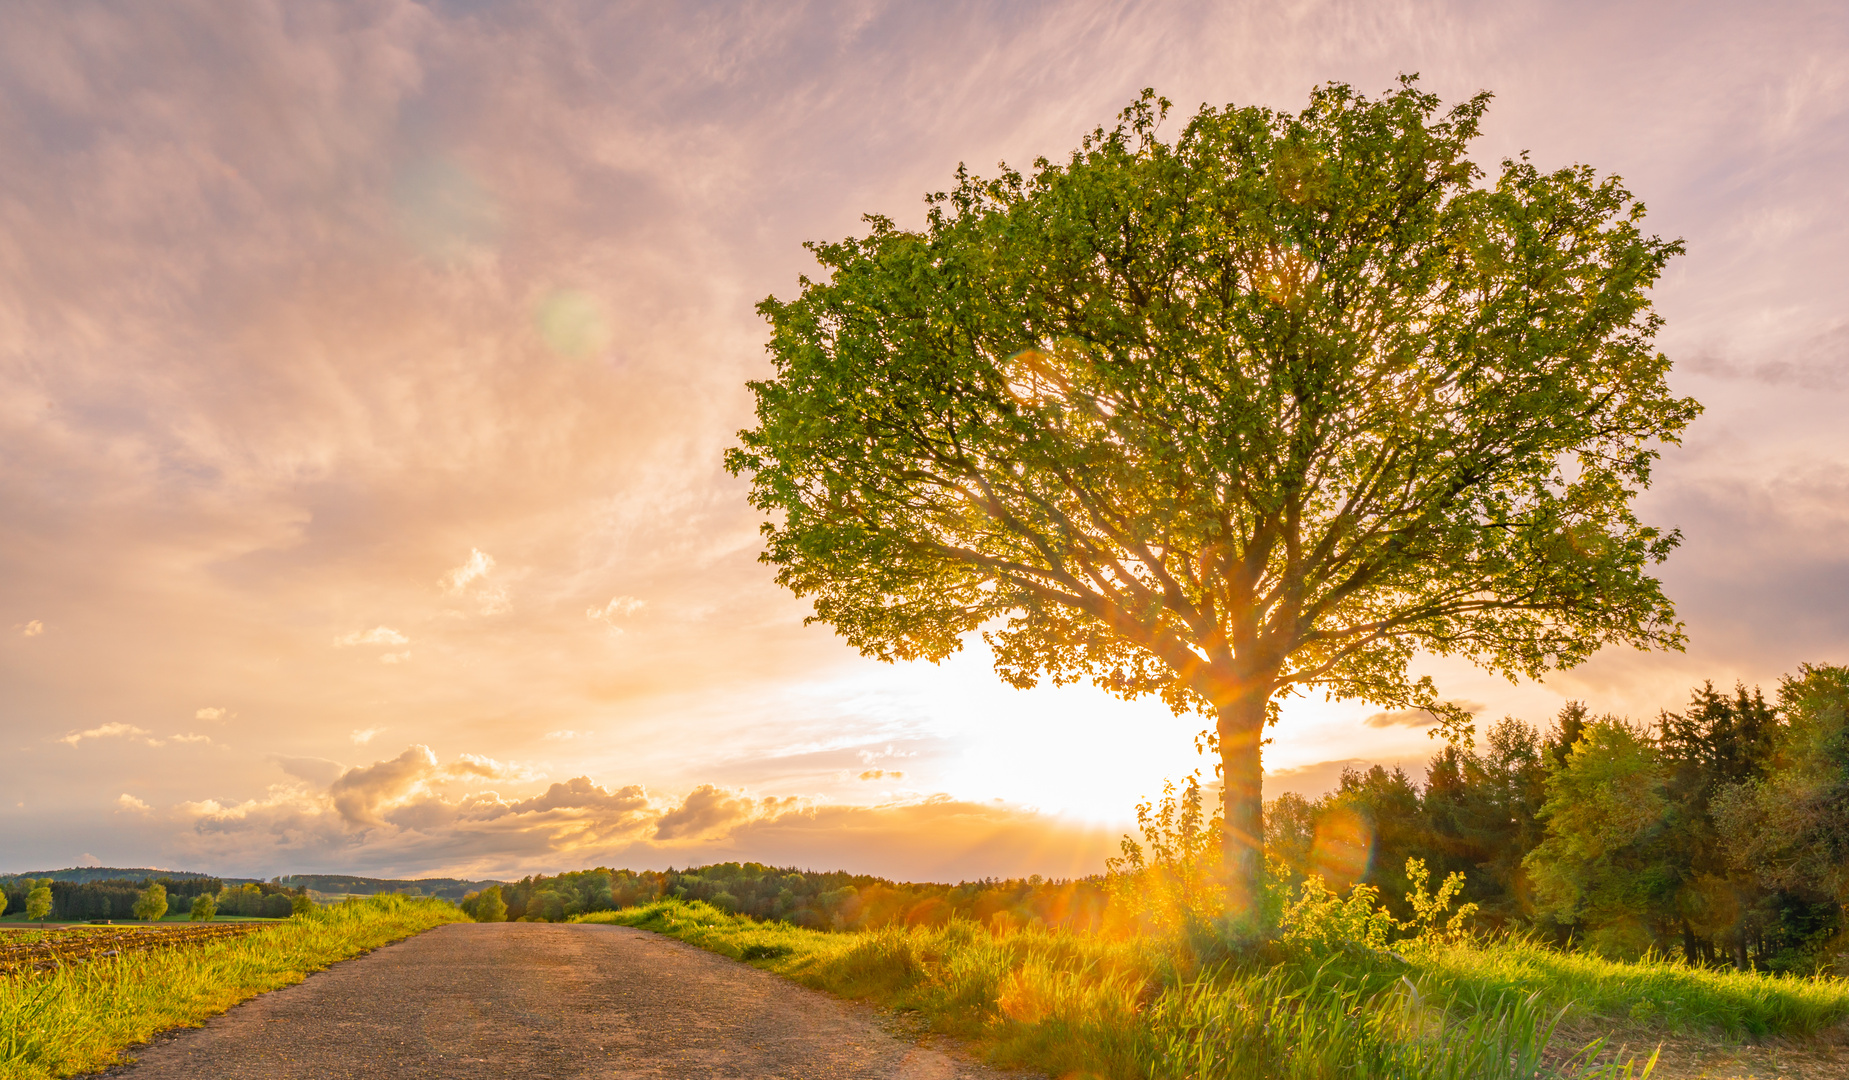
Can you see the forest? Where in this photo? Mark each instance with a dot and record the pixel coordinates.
(114, 898)
(1718, 833)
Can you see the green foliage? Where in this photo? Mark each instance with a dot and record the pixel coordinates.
(301, 904)
(38, 902)
(485, 906)
(1432, 917)
(1321, 921)
(1269, 407)
(79, 1018)
(151, 905)
(205, 907)
(1607, 861)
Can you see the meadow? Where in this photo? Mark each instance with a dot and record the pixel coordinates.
(68, 1006)
(1085, 1005)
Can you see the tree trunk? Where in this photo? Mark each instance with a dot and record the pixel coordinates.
(1241, 729)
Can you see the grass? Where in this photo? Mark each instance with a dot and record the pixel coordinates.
(1082, 1006)
(81, 1016)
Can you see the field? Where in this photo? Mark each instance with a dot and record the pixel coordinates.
(1082, 1006)
(72, 999)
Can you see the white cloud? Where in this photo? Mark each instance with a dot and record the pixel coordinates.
(211, 712)
(378, 635)
(87, 859)
(472, 577)
(32, 629)
(362, 736)
(395, 657)
(129, 802)
(560, 735)
(617, 608)
(189, 737)
(475, 569)
(110, 731)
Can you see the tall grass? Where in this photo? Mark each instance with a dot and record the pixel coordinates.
(81, 1016)
(1082, 1005)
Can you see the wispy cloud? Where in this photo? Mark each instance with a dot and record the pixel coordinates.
(378, 635)
(111, 731)
(617, 608)
(31, 629)
(471, 578)
(362, 736)
(211, 712)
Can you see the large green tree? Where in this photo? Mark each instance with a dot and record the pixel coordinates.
(1268, 407)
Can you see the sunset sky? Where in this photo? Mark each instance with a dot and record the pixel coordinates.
(366, 368)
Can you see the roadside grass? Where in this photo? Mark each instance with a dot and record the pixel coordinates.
(1083, 1006)
(1656, 992)
(82, 1015)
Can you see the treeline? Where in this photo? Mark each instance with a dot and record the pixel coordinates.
(831, 900)
(348, 885)
(73, 901)
(1720, 832)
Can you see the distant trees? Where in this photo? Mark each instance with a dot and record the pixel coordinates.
(151, 905)
(205, 906)
(38, 901)
(486, 905)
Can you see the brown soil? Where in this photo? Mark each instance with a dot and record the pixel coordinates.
(1688, 1058)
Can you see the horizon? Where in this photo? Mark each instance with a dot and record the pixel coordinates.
(365, 371)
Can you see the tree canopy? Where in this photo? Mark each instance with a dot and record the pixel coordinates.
(1267, 407)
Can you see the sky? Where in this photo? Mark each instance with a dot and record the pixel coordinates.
(366, 369)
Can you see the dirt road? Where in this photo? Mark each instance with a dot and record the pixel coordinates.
(534, 1001)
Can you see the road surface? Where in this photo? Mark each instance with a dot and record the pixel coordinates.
(534, 1001)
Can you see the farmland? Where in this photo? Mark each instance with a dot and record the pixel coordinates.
(72, 999)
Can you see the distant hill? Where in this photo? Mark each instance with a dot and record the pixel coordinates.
(447, 888)
(84, 874)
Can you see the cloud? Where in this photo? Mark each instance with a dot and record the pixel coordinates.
(111, 731)
(129, 802)
(708, 810)
(881, 774)
(579, 793)
(362, 736)
(1416, 718)
(560, 735)
(211, 712)
(487, 768)
(472, 577)
(189, 737)
(395, 657)
(378, 635)
(87, 859)
(617, 608)
(32, 629)
(360, 792)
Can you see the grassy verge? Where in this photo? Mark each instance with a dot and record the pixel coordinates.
(1074, 1005)
(81, 1016)
(1659, 993)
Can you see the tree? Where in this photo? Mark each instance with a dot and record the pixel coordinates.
(38, 901)
(301, 903)
(1607, 865)
(1790, 827)
(1267, 408)
(489, 907)
(152, 903)
(205, 906)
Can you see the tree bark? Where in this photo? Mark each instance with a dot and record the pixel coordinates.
(1241, 728)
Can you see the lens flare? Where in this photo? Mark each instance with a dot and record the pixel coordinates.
(1343, 849)
(445, 210)
(572, 323)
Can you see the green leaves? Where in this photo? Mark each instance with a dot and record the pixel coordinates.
(1274, 404)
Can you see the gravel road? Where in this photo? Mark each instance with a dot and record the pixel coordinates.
(535, 1001)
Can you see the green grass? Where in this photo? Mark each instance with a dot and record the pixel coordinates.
(1077, 1005)
(80, 1017)
(1654, 992)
